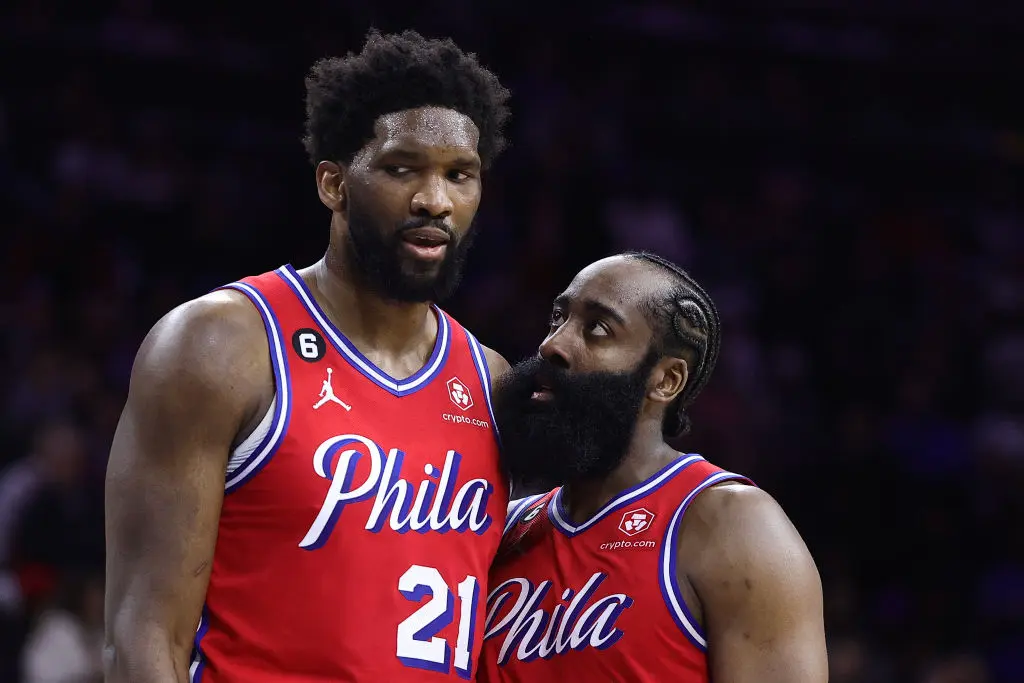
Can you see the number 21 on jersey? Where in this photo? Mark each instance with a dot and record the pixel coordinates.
(418, 644)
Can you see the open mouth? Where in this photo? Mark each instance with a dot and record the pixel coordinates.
(542, 392)
(426, 243)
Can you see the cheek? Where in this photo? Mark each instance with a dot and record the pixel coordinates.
(466, 200)
(381, 200)
(619, 358)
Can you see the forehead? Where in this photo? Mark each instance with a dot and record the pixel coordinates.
(622, 284)
(427, 127)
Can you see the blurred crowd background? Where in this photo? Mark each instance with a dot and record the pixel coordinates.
(844, 180)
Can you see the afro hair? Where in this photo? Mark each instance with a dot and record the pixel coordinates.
(346, 95)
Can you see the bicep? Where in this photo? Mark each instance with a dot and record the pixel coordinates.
(762, 599)
(161, 519)
(164, 488)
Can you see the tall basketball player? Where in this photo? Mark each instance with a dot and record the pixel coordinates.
(648, 564)
(304, 482)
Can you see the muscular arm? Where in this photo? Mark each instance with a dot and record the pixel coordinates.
(195, 383)
(758, 589)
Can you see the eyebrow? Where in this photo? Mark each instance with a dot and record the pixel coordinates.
(593, 306)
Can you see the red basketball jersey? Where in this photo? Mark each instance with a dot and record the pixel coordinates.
(597, 601)
(357, 530)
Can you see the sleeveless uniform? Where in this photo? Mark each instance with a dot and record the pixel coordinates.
(361, 517)
(597, 601)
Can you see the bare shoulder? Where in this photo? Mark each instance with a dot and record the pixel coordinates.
(215, 332)
(759, 590)
(209, 347)
(731, 503)
(735, 517)
(496, 363)
(734, 535)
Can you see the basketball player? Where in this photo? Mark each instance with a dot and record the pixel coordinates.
(304, 481)
(648, 564)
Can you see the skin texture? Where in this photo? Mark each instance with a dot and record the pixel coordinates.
(202, 381)
(743, 569)
(759, 591)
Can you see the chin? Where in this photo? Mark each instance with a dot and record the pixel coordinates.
(412, 266)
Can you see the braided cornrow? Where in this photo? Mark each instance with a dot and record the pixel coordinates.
(687, 321)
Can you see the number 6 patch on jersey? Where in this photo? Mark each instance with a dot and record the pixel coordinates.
(309, 344)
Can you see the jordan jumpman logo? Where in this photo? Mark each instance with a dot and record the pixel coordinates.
(327, 394)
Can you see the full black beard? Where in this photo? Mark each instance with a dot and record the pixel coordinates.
(375, 255)
(581, 434)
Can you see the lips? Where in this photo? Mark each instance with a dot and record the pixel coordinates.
(426, 237)
(542, 390)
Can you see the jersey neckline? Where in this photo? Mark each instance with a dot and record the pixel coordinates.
(560, 518)
(348, 350)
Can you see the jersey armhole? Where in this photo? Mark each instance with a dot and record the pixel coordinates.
(240, 472)
(667, 563)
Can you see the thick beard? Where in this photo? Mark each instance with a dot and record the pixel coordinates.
(375, 256)
(582, 433)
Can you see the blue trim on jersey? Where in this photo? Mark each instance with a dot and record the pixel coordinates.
(480, 361)
(520, 507)
(559, 517)
(681, 614)
(198, 663)
(283, 404)
(360, 362)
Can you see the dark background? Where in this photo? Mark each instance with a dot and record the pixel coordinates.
(844, 180)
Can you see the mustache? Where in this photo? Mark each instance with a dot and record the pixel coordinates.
(424, 222)
(525, 375)
(539, 369)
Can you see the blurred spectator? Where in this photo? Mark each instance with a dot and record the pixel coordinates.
(44, 525)
(65, 644)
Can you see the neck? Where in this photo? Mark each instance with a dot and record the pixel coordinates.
(647, 453)
(369, 320)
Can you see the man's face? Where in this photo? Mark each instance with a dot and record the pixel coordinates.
(569, 413)
(412, 194)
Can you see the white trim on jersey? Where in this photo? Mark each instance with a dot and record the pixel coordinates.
(631, 494)
(195, 668)
(283, 397)
(667, 574)
(353, 356)
(516, 508)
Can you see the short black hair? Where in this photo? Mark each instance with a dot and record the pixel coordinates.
(346, 95)
(686, 324)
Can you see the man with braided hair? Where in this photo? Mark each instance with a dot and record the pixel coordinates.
(646, 564)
